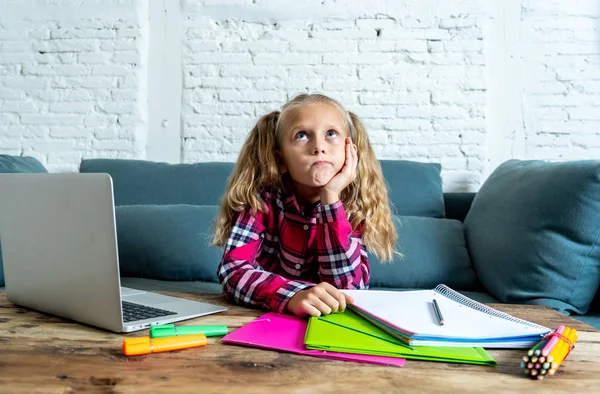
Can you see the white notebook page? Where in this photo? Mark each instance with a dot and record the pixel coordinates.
(413, 311)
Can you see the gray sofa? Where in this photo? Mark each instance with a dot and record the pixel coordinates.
(499, 245)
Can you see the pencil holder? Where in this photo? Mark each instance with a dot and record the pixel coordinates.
(548, 354)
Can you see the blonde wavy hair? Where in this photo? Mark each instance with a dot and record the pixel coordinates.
(258, 169)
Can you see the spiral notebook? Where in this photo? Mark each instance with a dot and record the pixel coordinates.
(410, 317)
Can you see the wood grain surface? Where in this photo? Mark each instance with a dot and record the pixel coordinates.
(40, 353)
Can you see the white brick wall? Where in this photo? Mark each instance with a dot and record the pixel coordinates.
(418, 82)
(467, 83)
(70, 81)
(561, 93)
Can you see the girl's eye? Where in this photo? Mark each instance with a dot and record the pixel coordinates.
(332, 133)
(300, 136)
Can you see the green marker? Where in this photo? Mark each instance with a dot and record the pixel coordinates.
(169, 330)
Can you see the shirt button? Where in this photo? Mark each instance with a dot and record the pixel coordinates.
(298, 266)
(305, 227)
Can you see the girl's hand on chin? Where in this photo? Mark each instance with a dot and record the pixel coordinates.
(330, 193)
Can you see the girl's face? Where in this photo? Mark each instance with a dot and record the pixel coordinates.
(312, 146)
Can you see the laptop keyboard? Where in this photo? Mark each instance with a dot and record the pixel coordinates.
(132, 312)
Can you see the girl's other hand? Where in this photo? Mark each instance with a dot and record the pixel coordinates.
(321, 299)
(332, 190)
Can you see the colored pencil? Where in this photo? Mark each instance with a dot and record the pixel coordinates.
(552, 341)
(565, 350)
(546, 356)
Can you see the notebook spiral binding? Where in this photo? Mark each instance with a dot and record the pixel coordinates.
(466, 301)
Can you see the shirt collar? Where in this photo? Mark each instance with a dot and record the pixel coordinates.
(290, 201)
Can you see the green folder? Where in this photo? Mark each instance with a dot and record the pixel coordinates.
(349, 333)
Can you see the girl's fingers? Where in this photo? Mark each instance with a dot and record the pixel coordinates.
(349, 300)
(351, 155)
(354, 157)
(311, 310)
(330, 299)
(325, 292)
(348, 163)
(338, 296)
(341, 299)
(333, 297)
(322, 307)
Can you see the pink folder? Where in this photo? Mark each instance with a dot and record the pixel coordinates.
(286, 333)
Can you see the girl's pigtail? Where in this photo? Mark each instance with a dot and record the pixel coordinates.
(255, 170)
(268, 166)
(371, 206)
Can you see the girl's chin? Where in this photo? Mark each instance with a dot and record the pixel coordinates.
(317, 178)
(322, 177)
(315, 182)
(320, 181)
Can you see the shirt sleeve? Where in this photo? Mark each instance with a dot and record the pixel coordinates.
(243, 279)
(342, 255)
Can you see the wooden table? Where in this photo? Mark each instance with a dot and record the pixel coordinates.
(40, 353)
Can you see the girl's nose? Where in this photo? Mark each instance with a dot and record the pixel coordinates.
(318, 147)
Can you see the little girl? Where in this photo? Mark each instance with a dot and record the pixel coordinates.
(305, 200)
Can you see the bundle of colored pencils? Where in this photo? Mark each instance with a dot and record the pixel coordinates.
(547, 355)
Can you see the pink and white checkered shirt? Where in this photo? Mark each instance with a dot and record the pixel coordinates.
(271, 256)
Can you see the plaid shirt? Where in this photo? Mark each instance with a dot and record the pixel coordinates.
(271, 256)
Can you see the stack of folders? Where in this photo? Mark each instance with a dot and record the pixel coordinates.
(286, 333)
(386, 327)
(349, 333)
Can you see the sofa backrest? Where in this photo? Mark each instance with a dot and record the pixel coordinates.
(415, 188)
(140, 182)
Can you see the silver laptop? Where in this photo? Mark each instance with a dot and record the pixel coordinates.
(59, 247)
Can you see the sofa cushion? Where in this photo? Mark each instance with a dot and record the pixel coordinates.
(147, 182)
(591, 318)
(177, 286)
(168, 242)
(17, 164)
(434, 252)
(532, 232)
(415, 188)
